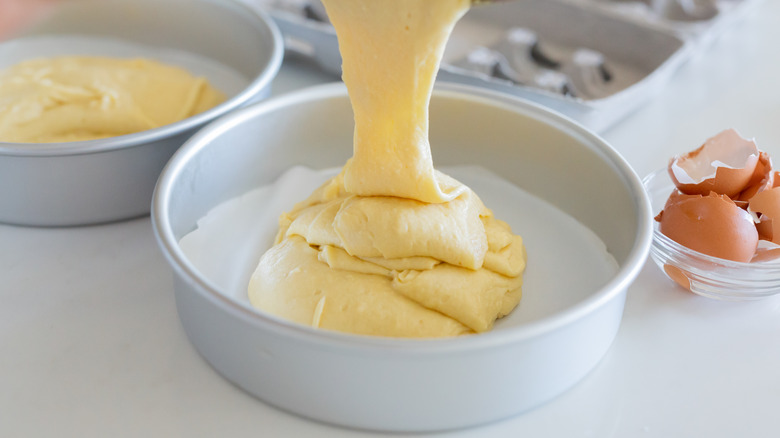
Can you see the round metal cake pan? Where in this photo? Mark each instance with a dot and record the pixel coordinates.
(402, 384)
(87, 182)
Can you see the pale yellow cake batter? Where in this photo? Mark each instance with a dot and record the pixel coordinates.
(76, 98)
(390, 246)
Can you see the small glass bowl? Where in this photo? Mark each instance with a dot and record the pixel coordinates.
(705, 275)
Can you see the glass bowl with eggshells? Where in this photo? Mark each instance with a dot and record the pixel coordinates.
(714, 232)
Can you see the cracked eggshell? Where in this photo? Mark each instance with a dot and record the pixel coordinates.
(766, 206)
(724, 164)
(712, 225)
(763, 178)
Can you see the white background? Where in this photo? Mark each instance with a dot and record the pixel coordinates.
(90, 343)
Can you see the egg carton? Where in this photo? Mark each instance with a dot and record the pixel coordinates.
(592, 60)
(699, 21)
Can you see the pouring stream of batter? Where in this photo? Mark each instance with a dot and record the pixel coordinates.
(390, 246)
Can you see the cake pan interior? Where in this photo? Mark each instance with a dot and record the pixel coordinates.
(401, 384)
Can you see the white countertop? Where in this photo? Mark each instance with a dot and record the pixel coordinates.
(90, 343)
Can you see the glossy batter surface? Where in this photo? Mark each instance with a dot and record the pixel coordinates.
(77, 98)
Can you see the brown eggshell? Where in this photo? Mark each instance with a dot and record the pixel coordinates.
(766, 204)
(763, 178)
(674, 198)
(711, 225)
(678, 275)
(724, 164)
